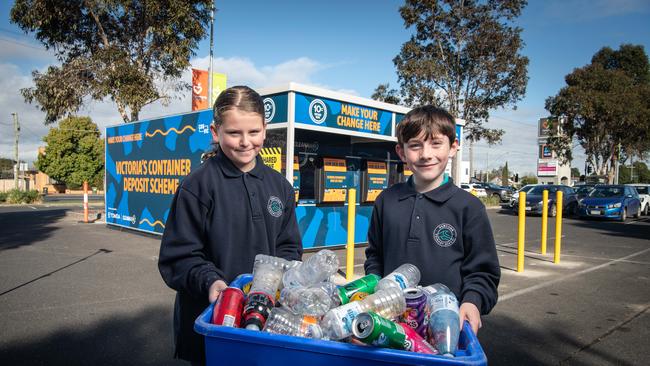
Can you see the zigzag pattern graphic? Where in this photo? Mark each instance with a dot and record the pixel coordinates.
(157, 222)
(171, 129)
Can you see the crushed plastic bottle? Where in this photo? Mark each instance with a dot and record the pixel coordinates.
(267, 275)
(283, 321)
(444, 323)
(314, 300)
(317, 268)
(406, 275)
(388, 303)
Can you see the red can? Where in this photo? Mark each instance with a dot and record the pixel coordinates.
(228, 308)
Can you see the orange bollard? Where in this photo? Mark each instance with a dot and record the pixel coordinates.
(86, 202)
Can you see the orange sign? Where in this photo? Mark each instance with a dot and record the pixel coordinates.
(199, 89)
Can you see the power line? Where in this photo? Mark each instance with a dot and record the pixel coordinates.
(22, 44)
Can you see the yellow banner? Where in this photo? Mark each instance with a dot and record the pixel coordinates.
(218, 84)
(272, 157)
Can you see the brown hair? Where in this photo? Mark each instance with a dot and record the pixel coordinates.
(238, 97)
(429, 119)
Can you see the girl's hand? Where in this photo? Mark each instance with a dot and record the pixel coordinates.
(470, 312)
(215, 289)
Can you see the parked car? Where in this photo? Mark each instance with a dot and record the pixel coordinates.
(474, 189)
(535, 195)
(583, 190)
(611, 201)
(514, 198)
(493, 190)
(644, 195)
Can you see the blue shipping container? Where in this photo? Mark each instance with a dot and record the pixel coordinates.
(233, 346)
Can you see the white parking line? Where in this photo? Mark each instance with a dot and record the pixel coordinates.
(549, 283)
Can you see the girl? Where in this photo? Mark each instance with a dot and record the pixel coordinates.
(230, 209)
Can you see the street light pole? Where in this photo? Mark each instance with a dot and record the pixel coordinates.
(16, 134)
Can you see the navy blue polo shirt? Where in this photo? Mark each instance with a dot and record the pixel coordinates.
(444, 232)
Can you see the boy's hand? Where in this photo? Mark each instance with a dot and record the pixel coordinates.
(470, 312)
(215, 289)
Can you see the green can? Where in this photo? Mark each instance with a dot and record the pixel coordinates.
(365, 285)
(373, 329)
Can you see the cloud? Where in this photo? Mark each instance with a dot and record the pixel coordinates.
(18, 49)
(585, 10)
(239, 70)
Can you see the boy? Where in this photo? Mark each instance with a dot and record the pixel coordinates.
(431, 223)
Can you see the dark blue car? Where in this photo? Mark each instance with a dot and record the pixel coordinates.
(535, 195)
(611, 202)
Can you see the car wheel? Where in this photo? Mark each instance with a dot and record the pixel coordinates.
(574, 210)
(552, 211)
(638, 213)
(623, 215)
(645, 210)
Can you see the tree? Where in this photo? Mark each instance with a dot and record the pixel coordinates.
(575, 172)
(528, 179)
(605, 105)
(637, 172)
(384, 93)
(131, 51)
(74, 153)
(505, 175)
(464, 56)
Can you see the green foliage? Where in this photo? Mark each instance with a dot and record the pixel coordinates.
(74, 152)
(634, 173)
(118, 49)
(18, 196)
(464, 57)
(504, 175)
(527, 179)
(384, 93)
(604, 104)
(490, 201)
(6, 164)
(3, 196)
(575, 172)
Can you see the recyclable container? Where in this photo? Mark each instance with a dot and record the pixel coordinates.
(234, 346)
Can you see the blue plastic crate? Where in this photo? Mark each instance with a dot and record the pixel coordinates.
(233, 346)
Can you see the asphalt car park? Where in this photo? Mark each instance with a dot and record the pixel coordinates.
(87, 294)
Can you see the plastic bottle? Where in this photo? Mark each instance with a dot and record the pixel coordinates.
(314, 300)
(388, 303)
(444, 323)
(267, 275)
(432, 290)
(317, 268)
(406, 275)
(283, 321)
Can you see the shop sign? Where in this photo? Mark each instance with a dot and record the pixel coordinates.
(546, 168)
(146, 162)
(275, 108)
(341, 115)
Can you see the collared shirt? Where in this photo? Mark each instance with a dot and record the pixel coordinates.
(444, 232)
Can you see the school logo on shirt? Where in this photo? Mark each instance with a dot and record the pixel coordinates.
(444, 235)
(275, 206)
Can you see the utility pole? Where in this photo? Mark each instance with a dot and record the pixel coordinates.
(210, 81)
(16, 134)
(618, 159)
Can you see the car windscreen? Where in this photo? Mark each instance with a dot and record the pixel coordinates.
(538, 190)
(641, 190)
(606, 192)
(582, 190)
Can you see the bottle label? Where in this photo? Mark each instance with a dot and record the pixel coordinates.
(399, 279)
(228, 320)
(358, 296)
(444, 302)
(346, 315)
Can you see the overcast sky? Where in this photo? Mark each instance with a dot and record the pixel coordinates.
(347, 46)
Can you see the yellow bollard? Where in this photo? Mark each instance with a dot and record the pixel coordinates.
(544, 219)
(349, 270)
(558, 227)
(522, 231)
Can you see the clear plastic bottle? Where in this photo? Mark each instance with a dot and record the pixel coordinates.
(314, 300)
(317, 268)
(267, 275)
(406, 275)
(283, 321)
(434, 289)
(444, 323)
(388, 303)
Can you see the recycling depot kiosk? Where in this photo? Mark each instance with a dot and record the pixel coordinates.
(322, 141)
